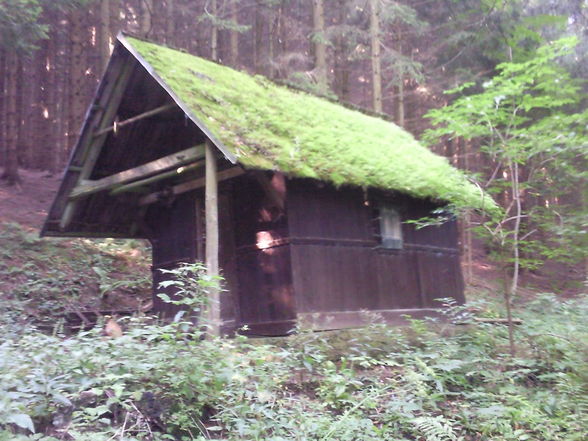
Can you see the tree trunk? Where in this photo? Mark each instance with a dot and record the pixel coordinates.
(3, 107)
(115, 25)
(376, 57)
(341, 68)
(146, 17)
(26, 84)
(11, 174)
(41, 126)
(258, 38)
(320, 48)
(516, 195)
(234, 35)
(104, 33)
(467, 222)
(213, 31)
(170, 25)
(508, 304)
(400, 103)
(77, 76)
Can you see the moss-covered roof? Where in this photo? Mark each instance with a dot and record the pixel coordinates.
(272, 127)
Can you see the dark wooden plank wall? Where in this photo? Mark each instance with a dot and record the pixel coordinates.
(173, 240)
(265, 301)
(337, 264)
(176, 232)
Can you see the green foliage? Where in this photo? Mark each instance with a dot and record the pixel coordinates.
(272, 127)
(191, 285)
(19, 25)
(160, 382)
(42, 279)
(526, 120)
(20, 22)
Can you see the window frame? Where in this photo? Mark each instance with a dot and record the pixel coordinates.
(390, 226)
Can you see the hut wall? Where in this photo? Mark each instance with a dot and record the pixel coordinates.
(177, 235)
(173, 239)
(262, 260)
(339, 265)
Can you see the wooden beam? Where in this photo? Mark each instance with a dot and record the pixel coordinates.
(135, 185)
(177, 159)
(212, 240)
(136, 118)
(185, 187)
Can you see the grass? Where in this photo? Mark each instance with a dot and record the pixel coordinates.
(272, 127)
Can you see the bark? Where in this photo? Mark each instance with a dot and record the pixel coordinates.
(26, 83)
(516, 195)
(376, 57)
(146, 17)
(271, 47)
(400, 99)
(55, 102)
(508, 304)
(11, 174)
(170, 25)
(234, 35)
(104, 34)
(213, 31)
(341, 68)
(320, 48)
(77, 65)
(3, 108)
(115, 25)
(468, 220)
(258, 38)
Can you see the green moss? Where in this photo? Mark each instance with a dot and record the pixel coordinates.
(272, 127)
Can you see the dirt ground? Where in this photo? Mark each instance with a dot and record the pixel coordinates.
(29, 202)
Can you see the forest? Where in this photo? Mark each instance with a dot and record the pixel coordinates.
(497, 87)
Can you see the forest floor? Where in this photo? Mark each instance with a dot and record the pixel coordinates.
(60, 276)
(28, 203)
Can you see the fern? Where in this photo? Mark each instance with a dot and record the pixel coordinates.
(436, 429)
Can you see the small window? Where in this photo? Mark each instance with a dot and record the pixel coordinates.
(390, 227)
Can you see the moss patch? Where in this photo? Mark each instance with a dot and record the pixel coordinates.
(272, 127)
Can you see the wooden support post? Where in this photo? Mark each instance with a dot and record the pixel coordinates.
(212, 240)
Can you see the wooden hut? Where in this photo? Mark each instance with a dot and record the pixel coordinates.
(306, 199)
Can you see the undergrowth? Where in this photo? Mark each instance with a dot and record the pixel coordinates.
(41, 279)
(431, 381)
